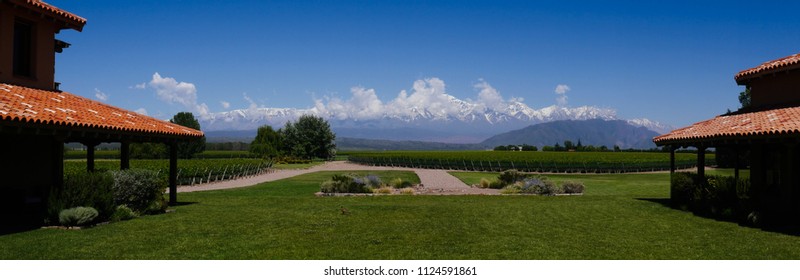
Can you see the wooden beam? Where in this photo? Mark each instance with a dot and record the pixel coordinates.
(672, 159)
(124, 155)
(173, 173)
(701, 162)
(90, 156)
(736, 162)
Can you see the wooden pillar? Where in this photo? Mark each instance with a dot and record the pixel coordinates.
(173, 173)
(90, 156)
(124, 155)
(736, 162)
(671, 159)
(701, 162)
(57, 174)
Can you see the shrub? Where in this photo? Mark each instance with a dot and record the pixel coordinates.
(345, 184)
(484, 183)
(533, 185)
(398, 183)
(511, 189)
(572, 187)
(383, 190)
(497, 185)
(682, 189)
(408, 191)
(511, 176)
(548, 189)
(123, 213)
(372, 181)
(92, 189)
(77, 216)
(139, 189)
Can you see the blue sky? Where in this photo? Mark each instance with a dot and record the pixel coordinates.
(668, 61)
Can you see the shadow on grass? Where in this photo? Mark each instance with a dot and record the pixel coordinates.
(183, 203)
(11, 229)
(793, 230)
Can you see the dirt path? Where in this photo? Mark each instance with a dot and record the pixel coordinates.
(432, 181)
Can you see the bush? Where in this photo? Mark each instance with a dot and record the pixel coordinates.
(682, 189)
(408, 191)
(511, 176)
(345, 184)
(123, 213)
(572, 187)
(383, 190)
(497, 185)
(721, 197)
(484, 183)
(372, 181)
(140, 189)
(545, 188)
(398, 183)
(92, 189)
(534, 185)
(77, 216)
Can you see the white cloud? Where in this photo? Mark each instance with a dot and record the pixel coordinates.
(100, 95)
(225, 104)
(428, 97)
(139, 86)
(489, 97)
(142, 111)
(561, 91)
(172, 91)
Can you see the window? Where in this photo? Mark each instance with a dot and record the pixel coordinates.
(23, 49)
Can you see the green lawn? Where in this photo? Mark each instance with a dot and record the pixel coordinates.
(619, 217)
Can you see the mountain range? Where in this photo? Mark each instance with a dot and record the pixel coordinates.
(596, 132)
(454, 121)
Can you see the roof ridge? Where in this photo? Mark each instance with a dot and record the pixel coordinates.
(769, 65)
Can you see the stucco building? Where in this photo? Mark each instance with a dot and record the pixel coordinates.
(36, 118)
(769, 129)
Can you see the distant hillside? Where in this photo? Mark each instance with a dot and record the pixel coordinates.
(595, 132)
(359, 144)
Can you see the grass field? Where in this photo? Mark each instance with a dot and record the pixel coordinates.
(621, 216)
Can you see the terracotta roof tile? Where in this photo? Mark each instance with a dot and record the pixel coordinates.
(761, 123)
(29, 105)
(789, 62)
(71, 18)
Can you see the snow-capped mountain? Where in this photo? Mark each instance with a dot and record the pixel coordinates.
(454, 120)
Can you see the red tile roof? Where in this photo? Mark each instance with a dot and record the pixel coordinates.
(762, 123)
(73, 20)
(786, 63)
(35, 106)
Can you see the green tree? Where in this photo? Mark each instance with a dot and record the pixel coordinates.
(568, 145)
(526, 147)
(308, 138)
(267, 142)
(148, 151)
(188, 149)
(744, 98)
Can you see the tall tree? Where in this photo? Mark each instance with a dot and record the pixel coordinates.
(267, 142)
(308, 138)
(744, 98)
(190, 148)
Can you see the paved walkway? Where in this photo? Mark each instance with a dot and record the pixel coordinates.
(432, 181)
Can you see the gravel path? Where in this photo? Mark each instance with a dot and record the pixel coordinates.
(436, 182)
